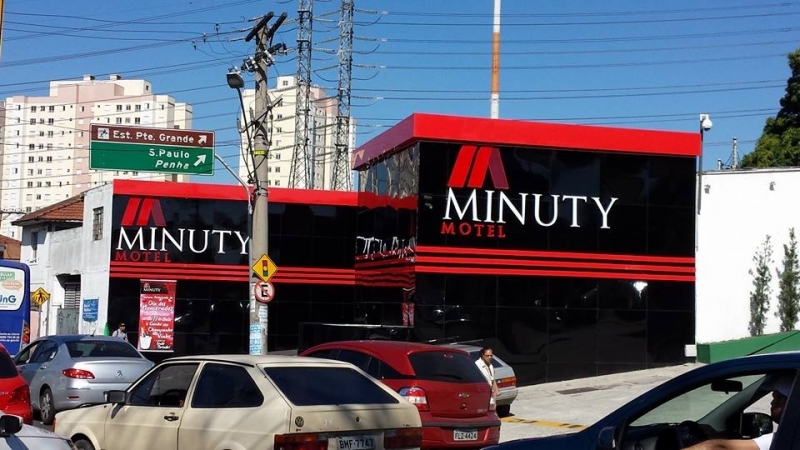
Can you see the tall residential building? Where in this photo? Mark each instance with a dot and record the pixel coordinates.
(322, 134)
(45, 140)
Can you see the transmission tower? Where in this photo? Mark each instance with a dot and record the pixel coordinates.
(340, 179)
(301, 175)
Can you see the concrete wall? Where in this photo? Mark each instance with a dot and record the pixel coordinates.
(738, 209)
(95, 256)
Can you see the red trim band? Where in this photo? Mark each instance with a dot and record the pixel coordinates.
(422, 249)
(502, 132)
(554, 273)
(551, 263)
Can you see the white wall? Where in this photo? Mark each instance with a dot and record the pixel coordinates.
(736, 214)
(95, 255)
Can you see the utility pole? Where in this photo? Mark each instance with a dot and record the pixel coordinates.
(341, 176)
(494, 112)
(259, 238)
(735, 162)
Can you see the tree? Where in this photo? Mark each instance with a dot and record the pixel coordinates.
(779, 144)
(759, 297)
(789, 297)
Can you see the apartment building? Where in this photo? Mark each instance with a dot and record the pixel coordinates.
(45, 140)
(322, 135)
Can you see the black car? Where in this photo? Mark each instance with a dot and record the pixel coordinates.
(724, 400)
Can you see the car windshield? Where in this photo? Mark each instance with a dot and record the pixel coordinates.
(693, 405)
(445, 366)
(7, 367)
(89, 348)
(305, 386)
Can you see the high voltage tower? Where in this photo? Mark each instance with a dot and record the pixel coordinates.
(301, 175)
(341, 164)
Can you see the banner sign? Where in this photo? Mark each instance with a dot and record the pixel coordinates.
(156, 315)
(90, 309)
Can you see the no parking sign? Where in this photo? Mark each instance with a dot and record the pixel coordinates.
(264, 291)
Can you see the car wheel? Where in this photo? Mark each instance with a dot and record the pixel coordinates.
(83, 444)
(503, 410)
(47, 410)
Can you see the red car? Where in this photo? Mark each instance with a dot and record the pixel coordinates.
(452, 396)
(15, 395)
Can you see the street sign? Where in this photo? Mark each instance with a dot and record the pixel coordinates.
(264, 292)
(39, 296)
(264, 268)
(163, 150)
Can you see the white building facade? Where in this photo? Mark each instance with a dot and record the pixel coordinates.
(321, 135)
(738, 210)
(45, 140)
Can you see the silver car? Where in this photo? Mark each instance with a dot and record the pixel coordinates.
(503, 373)
(15, 435)
(65, 372)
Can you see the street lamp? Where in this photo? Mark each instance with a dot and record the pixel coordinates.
(705, 125)
(235, 81)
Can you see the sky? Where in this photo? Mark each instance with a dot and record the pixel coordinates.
(642, 64)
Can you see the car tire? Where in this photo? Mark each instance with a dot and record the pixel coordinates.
(83, 444)
(503, 410)
(47, 411)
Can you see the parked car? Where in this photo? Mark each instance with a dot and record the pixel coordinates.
(453, 398)
(66, 372)
(15, 396)
(729, 399)
(15, 435)
(503, 374)
(247, 402)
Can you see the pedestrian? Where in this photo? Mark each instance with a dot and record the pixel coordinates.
(120, 332)
(484, 363)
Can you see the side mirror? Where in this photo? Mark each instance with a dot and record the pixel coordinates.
(10, 424)
(755, 424)
(606, 439)
(120, 397)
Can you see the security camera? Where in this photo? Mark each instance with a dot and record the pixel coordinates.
(705, 122)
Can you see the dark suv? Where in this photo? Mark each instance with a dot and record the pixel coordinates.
(453, 397)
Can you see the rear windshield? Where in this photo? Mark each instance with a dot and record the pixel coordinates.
(7, 367)
(101, 349)
(305, 386)
(445, 366)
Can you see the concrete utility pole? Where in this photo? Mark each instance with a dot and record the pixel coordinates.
(735, 157)
(495, 99)
(260, 235)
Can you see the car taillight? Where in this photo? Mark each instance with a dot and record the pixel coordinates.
(492, 403)
(78, 373)
(507, 382)
(300, 441)
(21, 394)
(402, 438)
(415, 395)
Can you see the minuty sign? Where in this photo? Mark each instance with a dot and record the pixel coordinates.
(472, 209)
(165, 230)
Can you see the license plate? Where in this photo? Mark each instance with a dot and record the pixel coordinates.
(465, 435)
(356, 443)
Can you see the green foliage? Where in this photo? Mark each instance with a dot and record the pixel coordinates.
(779, 144)
(789, 297)
(759, 296)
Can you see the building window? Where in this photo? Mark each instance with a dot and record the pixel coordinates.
(33, 121)
(127, 107)
(277, 182)
(51, 121)
(277, 170)
(51, 109)
(49, 146)
(28, 197)
(30, 184)
(30, 158)
(41, 121)
(28, 209)
(137, 120)
(119, 107)
(119, 119)
(41, 108)
(49, 134)
(127, 120)
(97, 223)
(31, 146)
(138, 108)
(83, 108)
(34, 242)
(285, 82)
(38, 196)
(30, 172)
(33, 109)
(41, 146)
(49, 159)
(38, 184)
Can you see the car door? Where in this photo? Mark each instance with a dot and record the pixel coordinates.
(24, 362)
(40, 368)
(151, 416)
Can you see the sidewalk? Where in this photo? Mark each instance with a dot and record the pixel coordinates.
(567, 406)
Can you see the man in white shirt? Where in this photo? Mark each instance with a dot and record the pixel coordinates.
(120, 332)
(484, 363)
(780, 388)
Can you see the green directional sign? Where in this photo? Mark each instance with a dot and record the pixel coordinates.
(151, 150)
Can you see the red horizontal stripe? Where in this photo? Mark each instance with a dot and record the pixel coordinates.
(223, 267)
(548, 254)
(554, 273)
(208, 191)
(234, 278)
(552, 263)
(244, 275)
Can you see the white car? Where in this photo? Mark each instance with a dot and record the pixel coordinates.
(503, 373)
(16, 435)
(245, 402)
